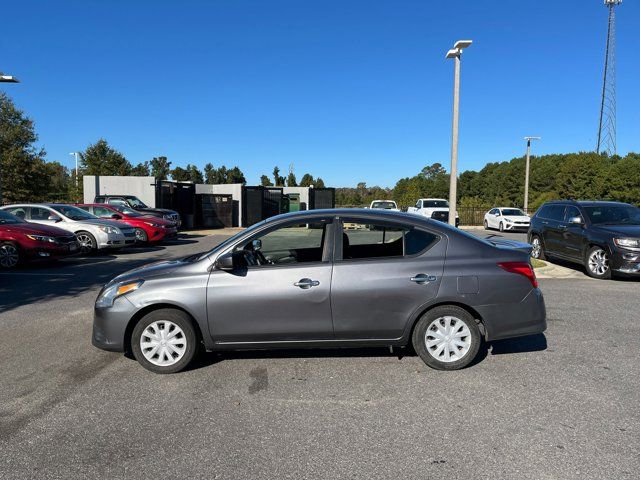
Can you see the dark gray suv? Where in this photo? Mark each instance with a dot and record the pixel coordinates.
(326, 278)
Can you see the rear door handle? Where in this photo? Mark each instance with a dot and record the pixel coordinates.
(423, 279)
(306, 283)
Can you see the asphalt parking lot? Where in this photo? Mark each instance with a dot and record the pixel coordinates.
(559, 405)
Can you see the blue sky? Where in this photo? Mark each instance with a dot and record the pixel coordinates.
(347, 90)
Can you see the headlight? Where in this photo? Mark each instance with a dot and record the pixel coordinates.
(627, 242)
(154, 225)
(109, 294)
(108, 229)
(42, 238)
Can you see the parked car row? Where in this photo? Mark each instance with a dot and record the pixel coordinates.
(55, 230)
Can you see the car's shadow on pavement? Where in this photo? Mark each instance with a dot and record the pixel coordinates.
(530, 343)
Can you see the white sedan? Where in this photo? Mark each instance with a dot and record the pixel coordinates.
(506, 218)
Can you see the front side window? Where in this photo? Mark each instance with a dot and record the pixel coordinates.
(293, 244)
(570, 213)
(40, 214)
(364, 240)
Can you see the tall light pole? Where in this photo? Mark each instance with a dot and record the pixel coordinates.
(76, 154)
(455, 53)
(526, 174)
(4, 79)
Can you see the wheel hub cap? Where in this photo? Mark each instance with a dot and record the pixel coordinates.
(448, 339)
(163, 343)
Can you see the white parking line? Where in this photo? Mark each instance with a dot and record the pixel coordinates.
(39, 274)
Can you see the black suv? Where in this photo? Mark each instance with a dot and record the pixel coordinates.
(135, 203)
(602, 236)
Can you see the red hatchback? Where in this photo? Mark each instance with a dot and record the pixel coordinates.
(20, 240)
(149, 229)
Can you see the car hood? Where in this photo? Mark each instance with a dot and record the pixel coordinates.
(149, 270)
(104, 221)
(154, 219)
(518, 218)
(163, 211)
(35, 229)
(622, 229)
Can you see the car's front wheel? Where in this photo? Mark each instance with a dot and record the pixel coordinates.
(9, 255)
(597, 263)
(88, 244)
(501, 227)
(164, 341)
(447, 338)
(141, 236)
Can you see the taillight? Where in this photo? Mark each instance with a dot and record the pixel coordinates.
(522, 268)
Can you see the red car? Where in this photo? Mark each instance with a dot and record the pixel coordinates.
(149, 229)
(20, 240)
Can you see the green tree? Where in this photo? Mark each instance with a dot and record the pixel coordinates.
(141, 170)
(100, 159)
(180, 174)
(235, 175)
(265, 181)
(319, 183)
(277, 179)
(291, 180)
(194, 174)
(160, 167)
(306, 180)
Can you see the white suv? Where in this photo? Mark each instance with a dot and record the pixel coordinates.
(93, 233)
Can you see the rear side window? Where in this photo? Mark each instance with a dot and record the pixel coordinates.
(19, 212)
(551, 212)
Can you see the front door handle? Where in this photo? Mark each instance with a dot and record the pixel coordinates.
(423, 279)
(306, 283)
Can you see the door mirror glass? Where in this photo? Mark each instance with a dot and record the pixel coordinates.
(116, 216)
(225, 262)
(576, 220)
(256, 245)
(54, 218)
(497, 214)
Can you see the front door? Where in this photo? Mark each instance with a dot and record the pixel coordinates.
(382, 274)
(572, 234)
(280, 290)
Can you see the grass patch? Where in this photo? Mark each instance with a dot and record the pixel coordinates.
(535, 263)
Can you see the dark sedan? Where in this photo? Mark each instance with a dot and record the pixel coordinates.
(326, 278)
(602, 236)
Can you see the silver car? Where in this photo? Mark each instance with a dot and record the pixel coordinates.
(93, 233)
(306, 280)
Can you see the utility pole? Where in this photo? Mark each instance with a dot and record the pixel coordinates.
(76, 154)
(4, 79)
(526, 174)
(455, 53)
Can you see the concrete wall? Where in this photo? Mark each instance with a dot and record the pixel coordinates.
(303, 191)
(233, 189)
(142, 187)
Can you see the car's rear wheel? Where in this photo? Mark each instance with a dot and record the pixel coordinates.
(537, 250)
(447, 338)
(88, 244)
(597, 263)
(141, 236)
(164, 341)
(9, 255)
(486, 225)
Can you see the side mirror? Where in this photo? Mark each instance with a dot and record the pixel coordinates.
(497, 214)
(54, 218)
(116, 216)
(576, 220)
(256, 245)
(225, 262)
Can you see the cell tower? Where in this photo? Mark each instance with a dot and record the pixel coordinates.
(607, 127)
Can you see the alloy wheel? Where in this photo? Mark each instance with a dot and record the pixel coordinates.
(86, 242)
(163, 343)
(9, 256)
(598, 262)
(535, 251)
(141, 236)
(448, 339)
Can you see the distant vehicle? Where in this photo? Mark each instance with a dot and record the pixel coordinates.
(93, 233)
(602, 236)
(148, 229)
(20, 240)
(506, 218)
(135, 203)
(436, 208)
(301, 280)
(384, 205)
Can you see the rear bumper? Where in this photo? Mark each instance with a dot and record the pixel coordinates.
(515, 319)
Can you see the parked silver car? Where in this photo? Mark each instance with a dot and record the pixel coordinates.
(304, 280)
(93, 233)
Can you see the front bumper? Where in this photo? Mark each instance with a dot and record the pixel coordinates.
(113, 240)
(110, 325)
(52, 251)
(515, 319)
(520, 227)
(626, 262)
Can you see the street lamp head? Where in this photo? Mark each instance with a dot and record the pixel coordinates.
(532, 138)
(462, 44)
(453, 53)
(8, 79)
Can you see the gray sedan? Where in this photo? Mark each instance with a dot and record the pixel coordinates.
(326, 278)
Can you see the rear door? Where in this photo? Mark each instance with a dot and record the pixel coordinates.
(553, 228)
(383, 272)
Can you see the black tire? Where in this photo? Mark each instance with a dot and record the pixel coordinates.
(141, 236)
(88, 243)
(540, 252)
(10, 255)
(460, 315)
(600, 257)
(486, 225)
(178, 318)
(501, 227)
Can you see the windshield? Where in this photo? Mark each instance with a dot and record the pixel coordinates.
(513, 211)
(127, 211)
(386, 205)
(8, 219)
(136, 202)
(613, 214)
(436, 204)
(74, 213)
